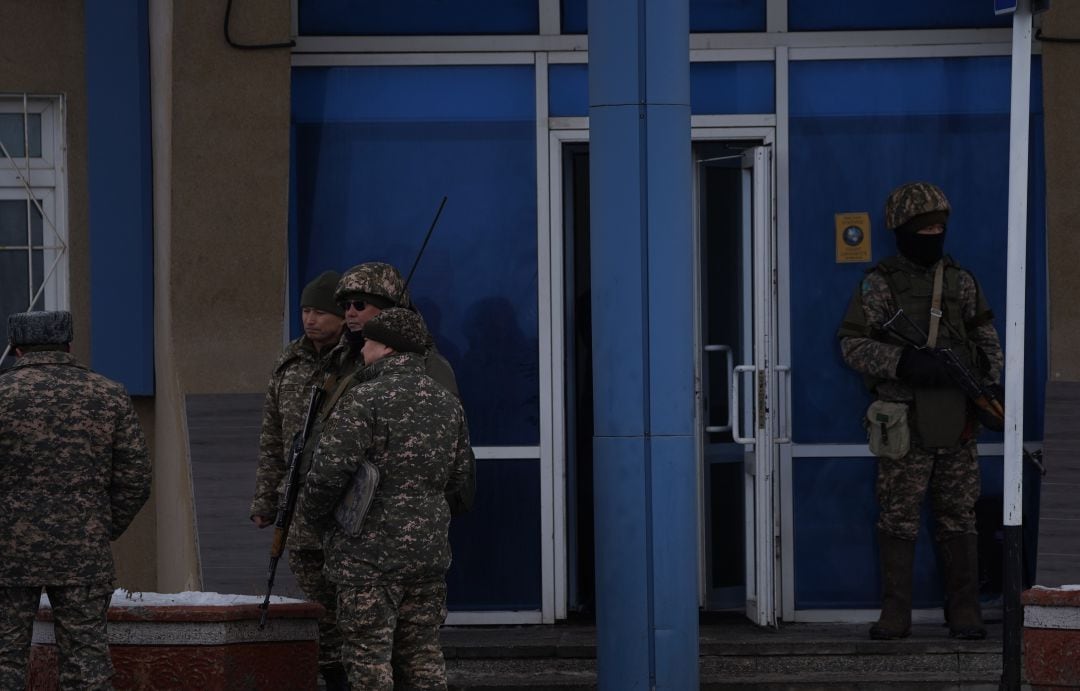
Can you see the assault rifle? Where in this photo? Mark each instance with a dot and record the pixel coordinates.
(984, 397)
(287, 501)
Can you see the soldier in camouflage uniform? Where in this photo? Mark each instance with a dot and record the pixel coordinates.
(943, 424)
(76, 471)
(391, 573)
(297, 370)
(364, 291)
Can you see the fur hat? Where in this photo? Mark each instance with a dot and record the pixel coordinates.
(401, 329)
(39, 328)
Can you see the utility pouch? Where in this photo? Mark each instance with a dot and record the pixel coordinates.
(940, 416)
(354, 506)
(887, 429)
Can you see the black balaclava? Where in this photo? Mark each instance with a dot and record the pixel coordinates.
(925, 250)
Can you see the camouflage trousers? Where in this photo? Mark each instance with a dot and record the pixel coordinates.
(391, 629)
(82, 642)
(307, 566)
(952, 476)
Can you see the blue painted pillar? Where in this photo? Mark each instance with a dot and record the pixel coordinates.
(119, 177)
(644, 466)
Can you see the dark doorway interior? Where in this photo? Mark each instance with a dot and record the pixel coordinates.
(579, 385)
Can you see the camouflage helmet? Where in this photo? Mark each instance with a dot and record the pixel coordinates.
(374, 280)
(915, 205)
(401, 329)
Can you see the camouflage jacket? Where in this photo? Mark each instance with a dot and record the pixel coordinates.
(298, 368)
(413, 430)
(76, 471)
(347, 367)
(867, 349)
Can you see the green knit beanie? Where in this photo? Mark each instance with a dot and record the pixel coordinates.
(319, 294)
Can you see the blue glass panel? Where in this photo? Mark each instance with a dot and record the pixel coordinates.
(835, 516)
(568, 91)
(834, 15)
(497, 545)
(574, 16)
(716, 88)
(373, 160)
(715, 16)
(847, 153)
(418, 17)
(721, 88)
(706, 16)
(413, 94)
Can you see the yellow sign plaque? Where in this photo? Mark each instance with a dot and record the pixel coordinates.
(852, 237)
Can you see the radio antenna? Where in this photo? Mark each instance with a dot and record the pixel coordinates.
(426, 238)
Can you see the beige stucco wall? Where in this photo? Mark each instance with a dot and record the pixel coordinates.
(42, 52)
(221, 169)
(1061, 101)
(230, 132)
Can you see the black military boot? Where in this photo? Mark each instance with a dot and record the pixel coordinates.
(960, 557)
(897, 565)
(335, 677)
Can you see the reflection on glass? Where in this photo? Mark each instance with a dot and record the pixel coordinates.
(15, 139)
(13, 223)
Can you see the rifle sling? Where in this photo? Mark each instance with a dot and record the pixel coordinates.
(935, 306)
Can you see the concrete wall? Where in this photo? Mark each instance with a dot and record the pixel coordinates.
(42, 51)
(221, 169)
(230, 132)
(1061, 74)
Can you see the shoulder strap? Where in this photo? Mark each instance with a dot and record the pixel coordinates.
(935, 305)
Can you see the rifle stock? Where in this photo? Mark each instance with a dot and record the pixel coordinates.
(287, 501)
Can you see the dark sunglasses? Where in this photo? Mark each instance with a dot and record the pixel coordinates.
(357, 305)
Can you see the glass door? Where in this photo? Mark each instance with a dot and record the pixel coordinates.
(738, 378)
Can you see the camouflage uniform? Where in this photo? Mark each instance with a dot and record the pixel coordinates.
(77, 471)
(955, 470)
(382, 281)
(950, 470)
(391, 576)
(299, 368)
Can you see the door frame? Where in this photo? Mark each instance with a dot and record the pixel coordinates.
(575, 130)
(764, 137)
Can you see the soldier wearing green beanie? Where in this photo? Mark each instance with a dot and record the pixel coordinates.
(301, 365)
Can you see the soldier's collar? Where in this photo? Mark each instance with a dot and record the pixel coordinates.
(48, 357)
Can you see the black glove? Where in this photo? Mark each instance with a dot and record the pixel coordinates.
(919, 367)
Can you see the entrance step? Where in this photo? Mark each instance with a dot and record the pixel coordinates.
(837, 657)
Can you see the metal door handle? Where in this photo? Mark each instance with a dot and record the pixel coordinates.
(729, 359)
(785, 371)
(735, 404)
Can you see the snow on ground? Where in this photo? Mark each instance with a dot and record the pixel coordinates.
(1060, 587)
(128, 598)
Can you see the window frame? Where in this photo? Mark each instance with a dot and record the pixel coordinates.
(44, 179)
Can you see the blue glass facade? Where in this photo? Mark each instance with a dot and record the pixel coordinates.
(841, 15)
(375, 148)
(859, 129)
(716, 88)
(417, 17)
(706, 16)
